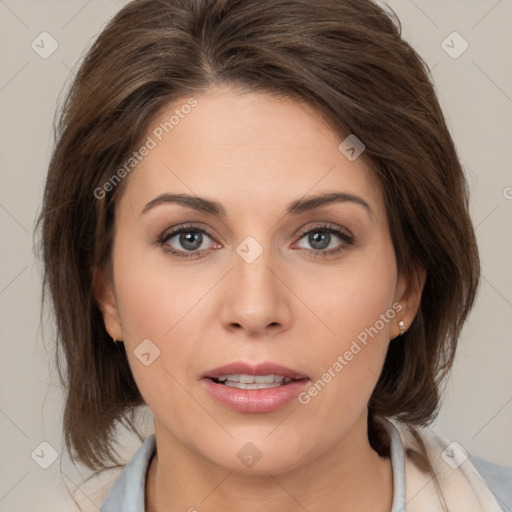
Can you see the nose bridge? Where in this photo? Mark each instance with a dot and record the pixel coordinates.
(255, 251)
(252, 261)
(255, 298)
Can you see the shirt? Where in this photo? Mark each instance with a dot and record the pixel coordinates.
(128, 492)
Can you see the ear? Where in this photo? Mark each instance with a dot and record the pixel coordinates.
(408, 295)
(105, 297)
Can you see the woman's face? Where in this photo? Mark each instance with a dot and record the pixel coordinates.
(260, 278)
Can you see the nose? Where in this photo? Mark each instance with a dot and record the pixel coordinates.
(255, 297)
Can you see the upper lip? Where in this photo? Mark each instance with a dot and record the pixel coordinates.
(265, 368)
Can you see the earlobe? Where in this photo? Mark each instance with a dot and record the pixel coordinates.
(408, 294)
(105, 297)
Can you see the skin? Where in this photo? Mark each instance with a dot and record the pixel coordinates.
(255, 154)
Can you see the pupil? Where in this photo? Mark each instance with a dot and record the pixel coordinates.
(318, 239)
(191, 237)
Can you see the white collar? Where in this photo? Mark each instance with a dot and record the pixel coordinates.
(461, 485)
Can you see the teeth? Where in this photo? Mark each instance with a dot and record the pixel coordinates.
(244, 381)
(242, 385)
(263, 379)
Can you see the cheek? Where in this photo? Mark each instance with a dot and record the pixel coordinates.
(348, 301)
(153, 294)
(356, 309)
(153, 309)
(160, 344)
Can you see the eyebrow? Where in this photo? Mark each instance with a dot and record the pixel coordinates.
(295, 208)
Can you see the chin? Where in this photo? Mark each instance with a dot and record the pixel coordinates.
(252, 456)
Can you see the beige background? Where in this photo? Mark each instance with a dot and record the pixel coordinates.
(476, 93)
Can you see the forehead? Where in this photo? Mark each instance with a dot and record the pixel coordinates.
(245, 148)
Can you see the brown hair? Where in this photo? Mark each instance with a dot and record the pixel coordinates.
(345, 58)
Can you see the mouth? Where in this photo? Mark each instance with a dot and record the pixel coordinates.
(266, 374)
(259, 388)
(245, 381)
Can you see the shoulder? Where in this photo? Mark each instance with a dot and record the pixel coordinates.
(463, 478)
(85, 492)
(497, 478)
(115, 489)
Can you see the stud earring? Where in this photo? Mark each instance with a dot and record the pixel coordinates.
(113, 339)
(401, 327)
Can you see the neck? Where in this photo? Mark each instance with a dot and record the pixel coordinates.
(349, 477)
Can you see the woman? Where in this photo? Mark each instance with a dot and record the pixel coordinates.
(255, 223)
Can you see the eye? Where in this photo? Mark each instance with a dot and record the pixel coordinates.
(322, 239)
(190, 241)
(185, 241)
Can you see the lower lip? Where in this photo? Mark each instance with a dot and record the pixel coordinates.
(255, 400)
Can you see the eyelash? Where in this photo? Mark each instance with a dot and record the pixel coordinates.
(344, 236)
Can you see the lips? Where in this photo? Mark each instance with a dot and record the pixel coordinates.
(259, 388)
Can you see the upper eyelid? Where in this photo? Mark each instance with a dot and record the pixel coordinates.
(328, 226)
